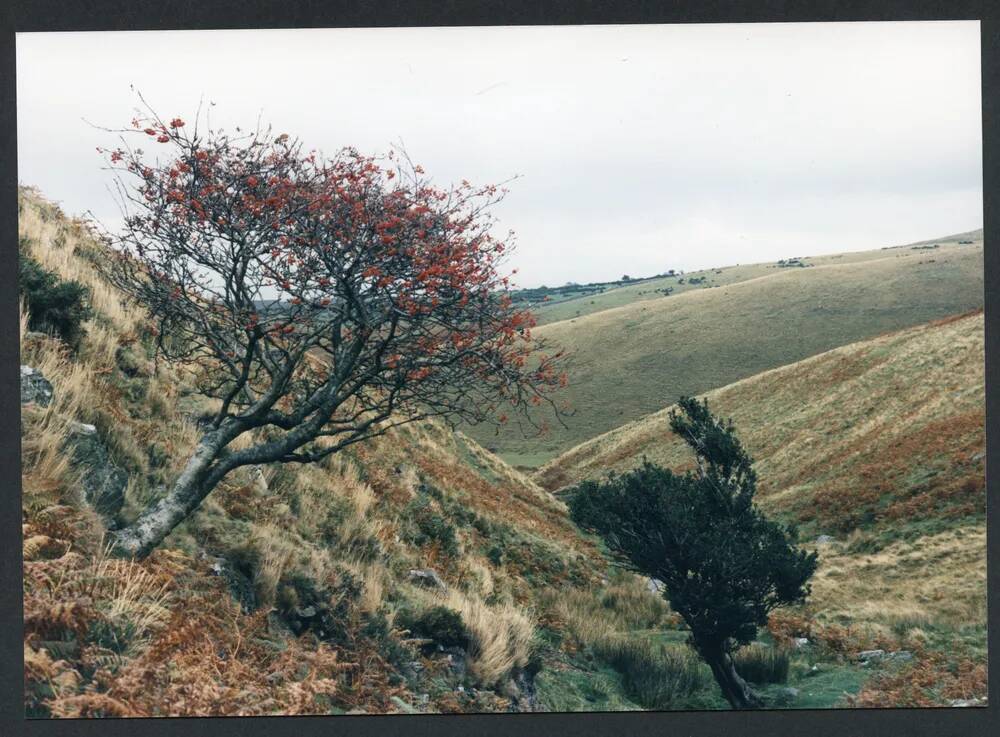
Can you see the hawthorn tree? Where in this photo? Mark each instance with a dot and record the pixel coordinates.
(319, 301)
(723, 564)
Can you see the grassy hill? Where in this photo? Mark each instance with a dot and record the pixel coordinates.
(629, 361)
(568, 303)
(880, 445)
(290, 590)
(304, 589)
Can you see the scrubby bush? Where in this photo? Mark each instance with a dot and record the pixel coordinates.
(724, 565)
(427, 527)
(762, 664)
(439, 623)
(54, 306)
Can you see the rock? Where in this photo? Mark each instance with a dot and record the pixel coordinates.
(102, 481)
(457, 660)
(239, 585)
(800, 641)
(402, 705)
(787, 695)
(866, 656)
(655, 585)
(814, 671)
(306, 612)
(427, 577)
(35, 388)
(900, 656)
(824, 540)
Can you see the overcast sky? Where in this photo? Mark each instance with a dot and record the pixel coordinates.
(640, 148)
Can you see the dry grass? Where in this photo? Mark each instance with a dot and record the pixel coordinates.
(500, 634)
(897, 417)
(621, 607)
(165, 636)
(635, 359)
(936, 579)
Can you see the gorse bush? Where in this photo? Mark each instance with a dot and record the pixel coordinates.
(655, 676)
(762, 664)
(54, 306)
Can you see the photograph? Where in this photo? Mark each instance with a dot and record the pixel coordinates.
(494, 369)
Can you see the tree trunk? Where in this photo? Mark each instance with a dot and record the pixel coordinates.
(195, 483)
(735, 690)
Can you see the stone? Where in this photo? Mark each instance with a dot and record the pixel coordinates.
(35, 388)
(800, 641)
(402, 705)
(102, 481)
(655, 586)
(900, 656)
(427, 577)
(866, 656)
(239, 585)
(788, 693)
(824, 540)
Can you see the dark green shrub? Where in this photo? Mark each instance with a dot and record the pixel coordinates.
(378, 630)
(724, 565)
(442, 625)
(427, 526)
(54, 306)
(761, 664)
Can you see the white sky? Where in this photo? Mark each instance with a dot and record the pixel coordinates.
(640, 148)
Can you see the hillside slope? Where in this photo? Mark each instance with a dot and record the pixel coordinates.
(657, 288)
(887, 429)
(878, 445)
(312, 589)
(416, 573)
(631, 360)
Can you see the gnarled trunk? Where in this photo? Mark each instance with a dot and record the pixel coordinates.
(735, 690)
(195, 482)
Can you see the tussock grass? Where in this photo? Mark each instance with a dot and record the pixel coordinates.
(655, 675)
(759, 663)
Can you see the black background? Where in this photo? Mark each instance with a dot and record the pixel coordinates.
(83, 15)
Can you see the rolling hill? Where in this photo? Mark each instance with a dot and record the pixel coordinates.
(619, 294)
(629, 361)
(420, 573)
(878, 445)
(886, 429)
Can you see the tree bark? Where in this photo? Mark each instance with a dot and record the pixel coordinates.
(195, 482)
(735, 690)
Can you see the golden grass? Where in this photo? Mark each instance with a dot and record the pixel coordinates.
(937, 579)
(826, 419)
(572, 309)
(633, 360)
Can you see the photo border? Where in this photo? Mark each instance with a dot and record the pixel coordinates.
(95, 15)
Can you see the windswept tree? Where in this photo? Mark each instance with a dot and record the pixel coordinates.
(723, 564)
(318, 301)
